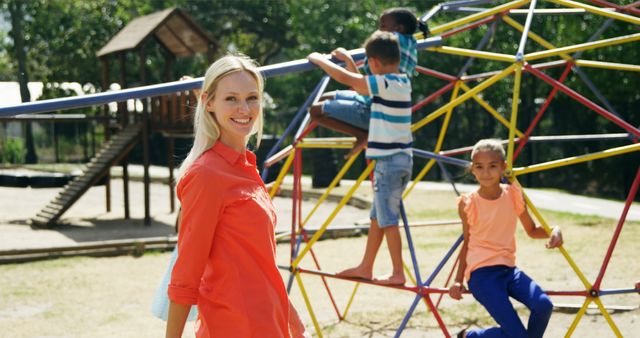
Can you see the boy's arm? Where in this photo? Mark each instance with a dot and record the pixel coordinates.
(344, 56)
(354, 80)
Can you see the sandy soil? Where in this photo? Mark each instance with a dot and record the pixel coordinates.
(111, 297)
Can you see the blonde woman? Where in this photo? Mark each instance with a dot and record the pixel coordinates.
(226, 262)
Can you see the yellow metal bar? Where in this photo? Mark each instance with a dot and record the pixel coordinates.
(577, 159)
(353, 295)
(473, 53)
(474, 17)
(490, 109)
(535, 37)
(333, 184)
(606, 315)
(282, 174)
(583, 46)
(409, 273)
(515, 101)
(546, 227)
(607, 65)
(485, 84)
(418, 178)
(325, 146)
(579, 315)
(342, 203)
(447, 118)
(599, 11)
(328, 139)
(308, 303)
(331, 145)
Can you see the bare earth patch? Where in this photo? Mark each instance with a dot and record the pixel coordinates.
(111, 297)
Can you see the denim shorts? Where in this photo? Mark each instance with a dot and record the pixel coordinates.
(391, 176)
(349, 107)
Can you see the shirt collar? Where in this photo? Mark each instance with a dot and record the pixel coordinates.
(232, 156)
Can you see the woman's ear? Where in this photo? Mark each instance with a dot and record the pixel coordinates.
(204, 98)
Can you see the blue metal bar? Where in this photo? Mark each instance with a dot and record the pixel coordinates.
(460, 3)
(412, 249)
(307, 117)
(525, 32)
(169, 87)
(481, 44)
(584, 76)
(445, 159)
(616, 291)
(431, 13)
(295, 254)
(448, 177)
(443, 261)
(319, 89)
(406, 318)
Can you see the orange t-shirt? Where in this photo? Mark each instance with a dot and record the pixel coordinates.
(492, 228)
(227, 250)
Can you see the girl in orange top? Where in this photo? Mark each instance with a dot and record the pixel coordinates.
(226, 261)
(487, 258)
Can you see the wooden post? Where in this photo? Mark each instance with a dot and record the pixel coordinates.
(124, 114)
(171, 164)
(85, 140)
(145, 142)
(56, 151)
(105, 126)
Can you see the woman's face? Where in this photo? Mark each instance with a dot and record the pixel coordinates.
(236, 106)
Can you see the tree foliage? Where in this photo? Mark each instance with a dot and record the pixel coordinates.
(62, 37)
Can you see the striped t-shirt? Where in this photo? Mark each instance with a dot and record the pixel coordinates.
(390, 122)
(408, 55)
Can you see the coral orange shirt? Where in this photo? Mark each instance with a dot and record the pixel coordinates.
(227, 250)
(492, 228)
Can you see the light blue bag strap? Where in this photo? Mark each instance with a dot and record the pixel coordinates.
(160, 305)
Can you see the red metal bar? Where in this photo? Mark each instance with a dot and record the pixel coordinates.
(436, 314)
(616, 234)
(573, 94)
(468, 27)
(413, 289)
(632, 5)
(435, 73)
(324, 280)
(446, 283)
(567, 293)
(618, 8)
(432, 97)
(482, 76)
(309, 129)
(297, 170)
(538, 116)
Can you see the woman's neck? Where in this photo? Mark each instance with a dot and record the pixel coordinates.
(234, 143)
(490, 192)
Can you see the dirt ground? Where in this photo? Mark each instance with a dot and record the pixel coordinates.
(111, 297)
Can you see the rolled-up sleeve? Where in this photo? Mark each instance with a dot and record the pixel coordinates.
(202, 205)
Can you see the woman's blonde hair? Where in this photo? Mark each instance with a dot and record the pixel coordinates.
(205, 128)
(489, 144)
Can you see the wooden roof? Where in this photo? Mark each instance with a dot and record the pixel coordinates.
(172, 27)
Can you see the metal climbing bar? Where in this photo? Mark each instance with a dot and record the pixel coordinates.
(616, 234)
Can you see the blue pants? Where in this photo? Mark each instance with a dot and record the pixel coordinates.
(493, 285)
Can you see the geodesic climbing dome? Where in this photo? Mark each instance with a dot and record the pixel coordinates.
(510, 68)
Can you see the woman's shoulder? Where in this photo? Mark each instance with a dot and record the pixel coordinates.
(204, 169)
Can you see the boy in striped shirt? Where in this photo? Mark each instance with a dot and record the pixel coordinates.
(389, 143)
